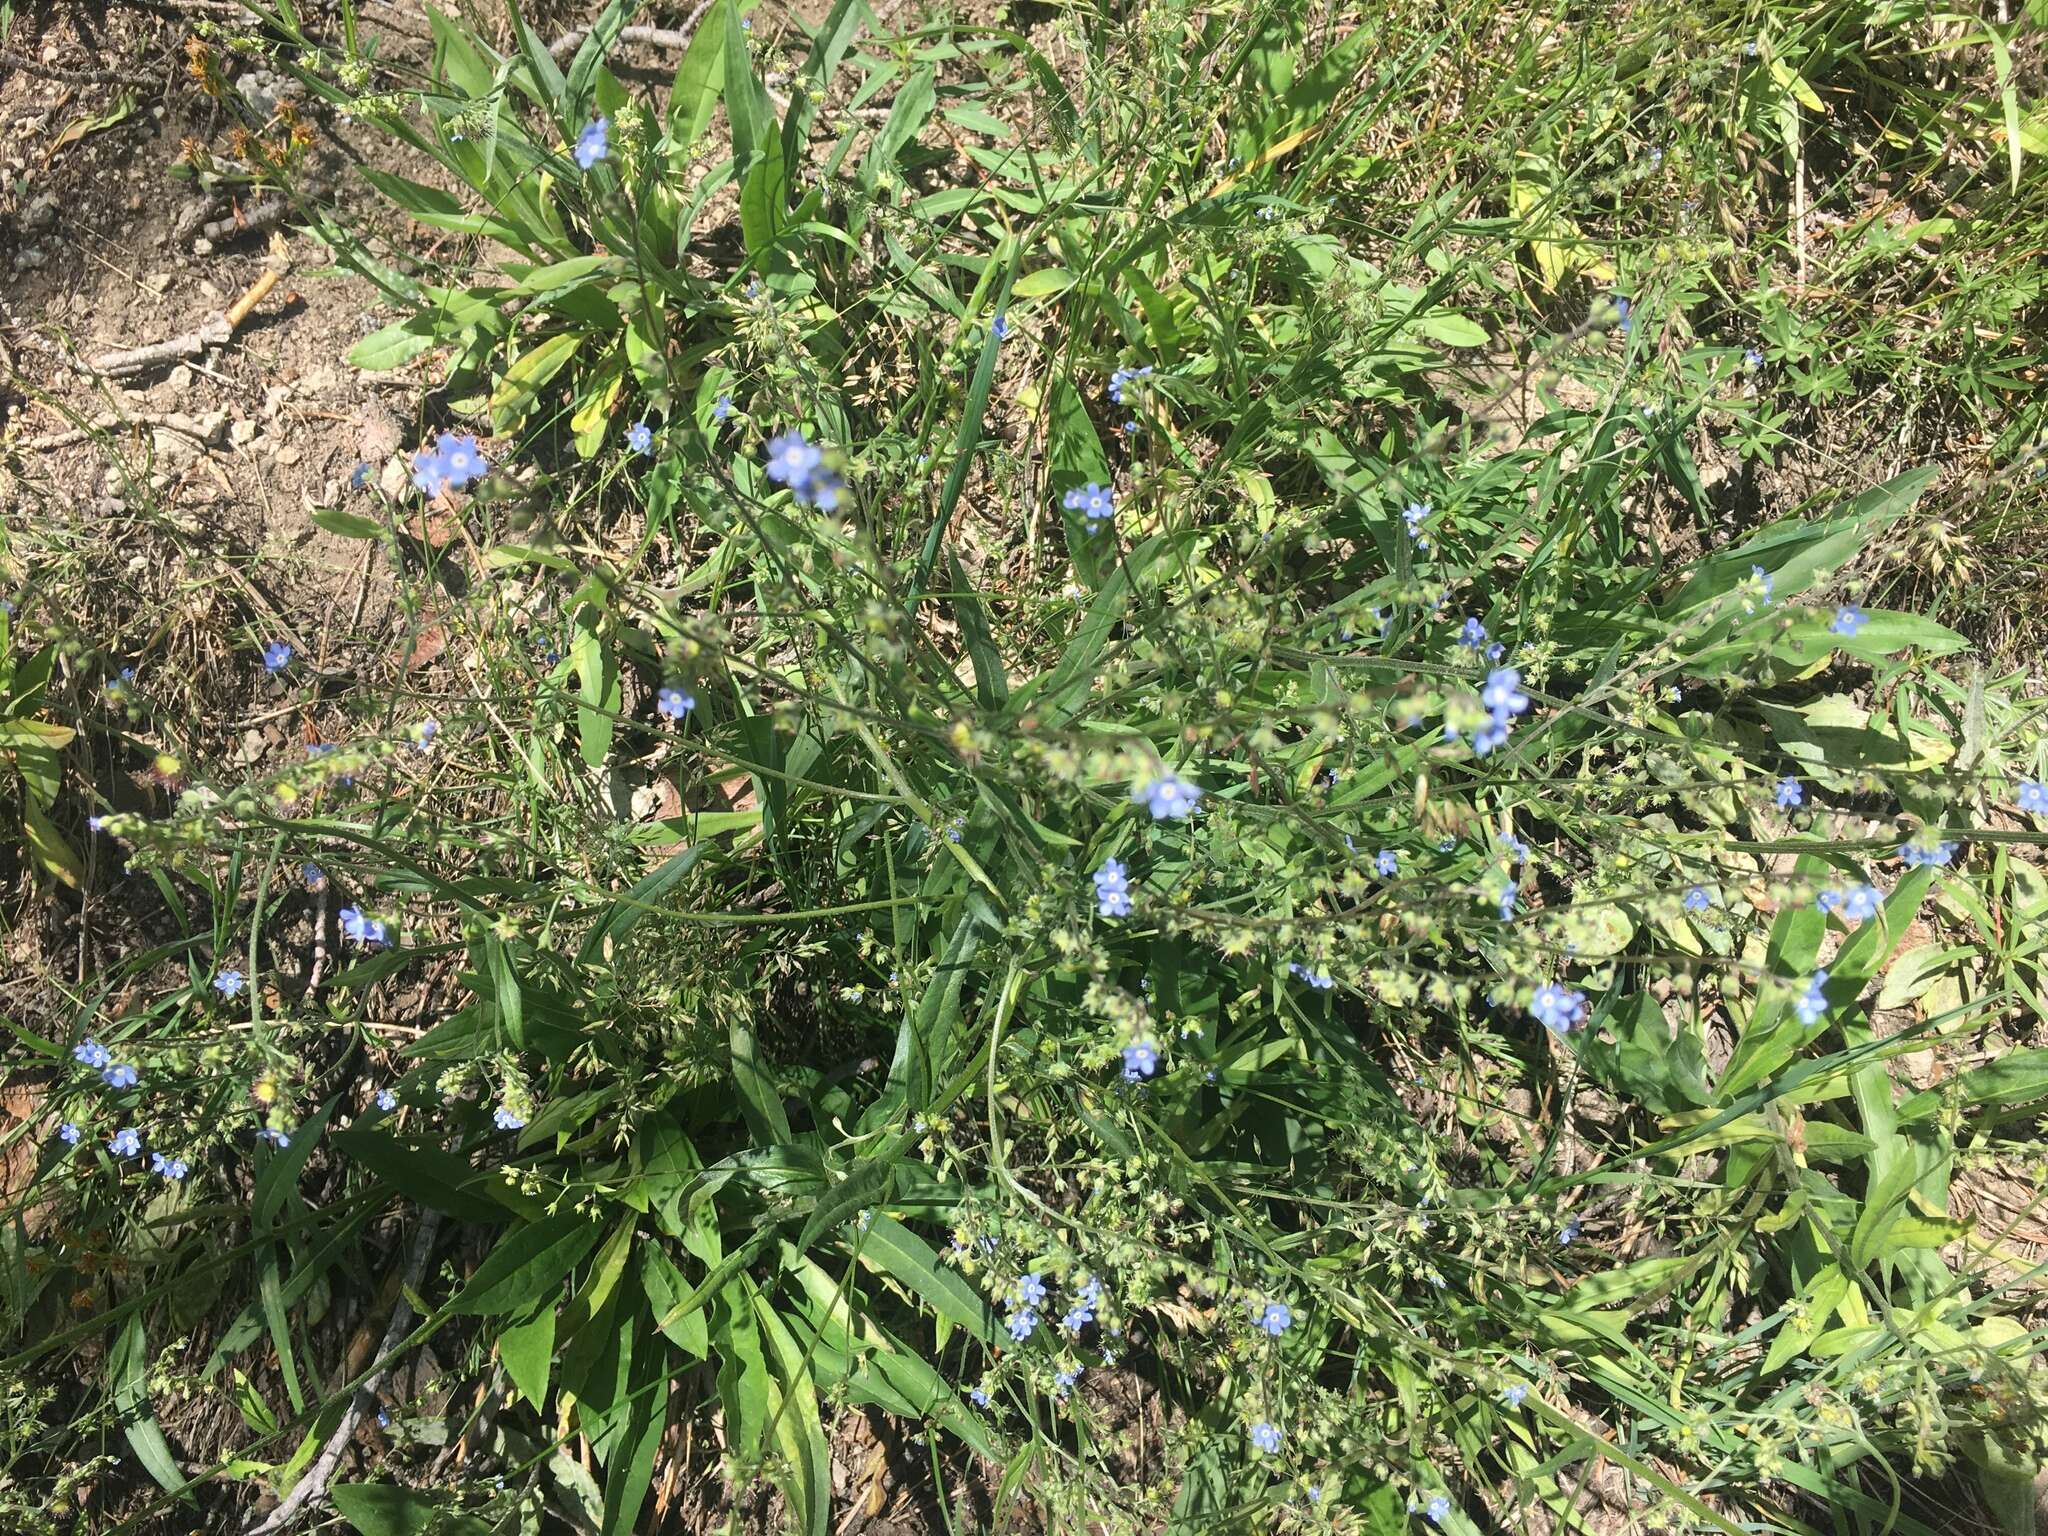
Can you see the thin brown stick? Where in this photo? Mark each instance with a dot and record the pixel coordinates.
(215, 333)
(653, 37)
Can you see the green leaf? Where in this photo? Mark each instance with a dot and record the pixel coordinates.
(520, 386)
(51, 850)
(907, 114)
(432, 206)
(529, 1263)
(128, 1380)
(759, 1100)
(528, 1352)
(799, 1432)
(889, 1248)
(434, 1177)
(700, 79)
(394, 346)
(383, 1509)
(349, 525)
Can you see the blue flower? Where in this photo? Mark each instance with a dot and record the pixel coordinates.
(124, 1143)
(722, 408)
(386, 1100)
(278, 1139)
(1508, 893)
(1558, 1007)
(1000, 326)
(1095, 503)
(314, 876)
(1568, 1233)
(507, 1120)
(459, 458)
(2032, 797)
(1828, 900)
(1063, 1380)
(1320, 980)
(1387, 862)
(276, 656)
(1168, 797)
(424, 733)
(674, 703)
(1761, 586)
(794, 461)
(1276, 1319)
(594, 142)
(1811, 1005)
(1790, 793)
(1140, 1060)
(1862, 903)
(1502, 697)
(367, 931)
(1621, 309)
(1848, 619)
(228, 983)
(169, 1167)
(90, 1052)
(1752, 359)
(1021, 1324)
(429, 472)
(68, 1132)
(360, 475)
(1473, 635)
(1112, 890)
(1412, 515)
(979, 1396)
(1265, 1437)
(120, 1075)
(640, 437)
(1122, 378)
(1697, 899)
(1934, 855)
(1439, 1506)
(1512, 1395)
(1030, 1289)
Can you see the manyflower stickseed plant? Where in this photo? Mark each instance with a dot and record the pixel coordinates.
(792, 986)
(277, 655)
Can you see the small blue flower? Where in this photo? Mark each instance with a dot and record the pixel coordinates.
(91, 1053)
(120, 1075)
(1168, 797)
(979, 1396)
(366, 931)
(169, 1167)
(314, 876)
(1502, 697)
(124, 1143)
(1760, 588)
(1031, 1289)
(1790, 793)
(360, 475)
(722, 408)
(1112, 890)
(1558, 1007)
(1752, 359)
(594, 143)
(429, 472)
(278, 1139)
(1412, 516)
(507, 1120)
(1930, 855)
(1827, 900)
(1439, 1506)
(1621, 311)
(68, 1132)
(640, 437)
(460, 459)
(1320, 980)
(1473, 635)
(674, 703)
(276, 656)
(1140, 1060)
(1862, 903)
(1276, 1319)
(1812, 1005)
(1387, 862)
(386, 1100)
(2032, 797)
(424, 733)
(1512, 1395)
(1000, 327)
(1021, 1324)
(1848, 619)
(1095, 503)
(1568, 1233)
(1064, 1380)
(1120, 380)
(1697, 899)
(1265, 1437)
(228, 983)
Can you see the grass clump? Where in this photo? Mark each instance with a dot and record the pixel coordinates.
(1213, 751)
